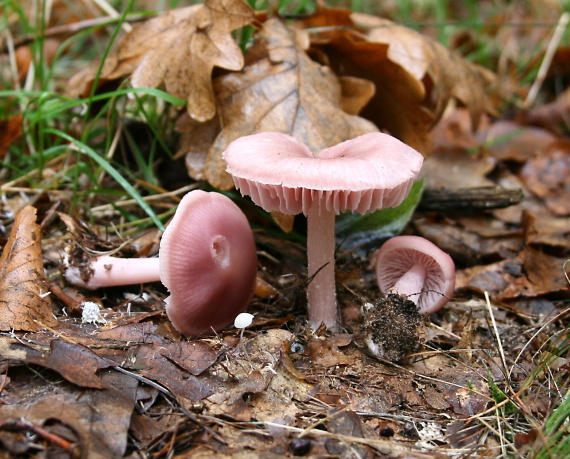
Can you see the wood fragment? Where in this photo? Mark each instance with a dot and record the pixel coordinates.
(478, 198)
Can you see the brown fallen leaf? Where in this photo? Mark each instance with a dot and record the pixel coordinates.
(284, 91)
(162, 370)
(74, 362)
(179, 48)
(415, 76)
(326, 353)
(96, 420)
(547, 176)
(193, 356)
(510, 141)
(24, 303)
(24, 56)
(10, 130)
(533, 273)
(344, 423)
(355, 94)
(194, 143)
(552, 116)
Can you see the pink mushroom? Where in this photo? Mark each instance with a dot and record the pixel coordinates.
(417, 269)
(363, 174)
(207, 260)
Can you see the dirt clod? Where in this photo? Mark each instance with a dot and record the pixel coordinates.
(393, 328)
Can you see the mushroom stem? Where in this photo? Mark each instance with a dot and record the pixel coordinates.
(411, 283)
(321, 292)
(109, 271)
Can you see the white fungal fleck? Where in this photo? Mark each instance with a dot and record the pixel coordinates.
(92, 314)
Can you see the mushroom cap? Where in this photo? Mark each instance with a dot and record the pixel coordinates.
(363, 174)
(400, 253)
(208, 262)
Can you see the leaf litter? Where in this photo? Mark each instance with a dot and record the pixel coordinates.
(132, 386)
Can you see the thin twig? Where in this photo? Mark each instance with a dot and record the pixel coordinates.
(56, 333)
(53, 438)
(147, 381)
(153, 197)
(547, 60)
(107, 8)
(308, 429)
(496, 332)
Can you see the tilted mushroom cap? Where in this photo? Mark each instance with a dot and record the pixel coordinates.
(208, 262)
(400, 255)
(364, 174)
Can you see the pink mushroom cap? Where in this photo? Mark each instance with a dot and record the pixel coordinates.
(367, 173)
(208, 262)
(409, 265)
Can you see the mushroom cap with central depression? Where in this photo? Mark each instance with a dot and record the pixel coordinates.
(363, 174)
(208, 262)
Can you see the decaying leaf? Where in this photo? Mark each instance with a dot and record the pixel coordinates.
(195, 356)
(292, 94)
(10, 130)
(178, 48)
(162, 370)
(96, 421)
(552, 116)
(547, 176)
(531, 274)
(75, 362)
(195, 141)
(415, 77)
(24, 299)
(326, 352)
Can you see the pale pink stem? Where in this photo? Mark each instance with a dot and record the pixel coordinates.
(321, 290)
(110, 271)
(411, 283)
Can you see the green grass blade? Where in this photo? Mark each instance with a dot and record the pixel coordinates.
(112, 172)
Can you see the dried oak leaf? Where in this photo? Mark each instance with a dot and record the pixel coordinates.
(282, 91)
(197, 137)
(179, 48)
(415, 77)
(23, 303)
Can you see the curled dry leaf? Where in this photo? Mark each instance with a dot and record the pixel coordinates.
(356, 93)
(282, 91)
(178, 48)
(415, 76)
(24, 304)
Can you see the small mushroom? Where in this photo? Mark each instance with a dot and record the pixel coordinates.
(417, 269)
(363, 174)
(207, 260)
